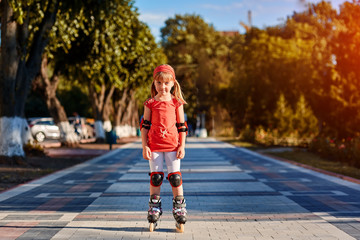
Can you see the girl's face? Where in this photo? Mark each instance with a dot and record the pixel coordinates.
(163, 86)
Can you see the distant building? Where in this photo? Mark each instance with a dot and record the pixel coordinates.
(229, 33)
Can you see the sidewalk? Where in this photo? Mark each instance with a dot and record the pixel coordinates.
(231, 193)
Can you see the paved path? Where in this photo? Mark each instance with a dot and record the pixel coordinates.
(231, 193)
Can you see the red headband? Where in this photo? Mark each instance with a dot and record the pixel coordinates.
(165, 69)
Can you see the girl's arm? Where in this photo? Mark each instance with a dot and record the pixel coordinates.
(180, 119)
(144, 135)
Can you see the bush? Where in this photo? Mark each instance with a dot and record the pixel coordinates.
(290, 128)
(271, 137)
(343, 150)
(247, 135)
(33, 149)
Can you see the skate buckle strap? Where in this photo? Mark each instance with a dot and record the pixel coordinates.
(155, 205)
(179, 205)
(179, 202)
(155, 201)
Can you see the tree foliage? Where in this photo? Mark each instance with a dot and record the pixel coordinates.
(313, 57)
(196, 51)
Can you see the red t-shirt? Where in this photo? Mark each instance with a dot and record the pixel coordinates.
(163, 135)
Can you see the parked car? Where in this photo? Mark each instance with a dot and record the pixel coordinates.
(43, 128)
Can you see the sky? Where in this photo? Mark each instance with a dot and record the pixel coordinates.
(224, 15)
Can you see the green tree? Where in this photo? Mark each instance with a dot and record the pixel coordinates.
(101, 45)
(60, 55)
(304, 121)
(199, 55)
(319, 24)
(21, 51)
(136, 88)
(265, 65)
(344, 90)
(117, 52)
(284, 117)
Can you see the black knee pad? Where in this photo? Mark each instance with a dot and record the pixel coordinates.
(175, 179)
(156, 178)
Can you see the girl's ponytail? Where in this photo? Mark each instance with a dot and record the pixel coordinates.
(153, 90)
(178, 93)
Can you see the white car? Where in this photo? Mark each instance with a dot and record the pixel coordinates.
(43, 128)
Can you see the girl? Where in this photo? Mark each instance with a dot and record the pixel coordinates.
(163, 132)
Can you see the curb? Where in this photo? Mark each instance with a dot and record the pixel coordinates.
(58, 144)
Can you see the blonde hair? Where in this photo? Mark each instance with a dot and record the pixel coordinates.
(176, 92)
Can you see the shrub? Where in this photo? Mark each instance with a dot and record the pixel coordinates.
(342, 150)
(33, 149)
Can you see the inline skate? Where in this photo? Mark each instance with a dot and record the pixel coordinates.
(179, 212)
(154, 211)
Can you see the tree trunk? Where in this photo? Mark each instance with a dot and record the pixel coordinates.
(99, 102)
(47, 88)
(106, 117)
(126, 121)
(135, 117)
(108, 109)
(18, 68)
(119, 102)
(10, 121)
(134, 120)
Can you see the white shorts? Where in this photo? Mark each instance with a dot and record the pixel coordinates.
(157, 161)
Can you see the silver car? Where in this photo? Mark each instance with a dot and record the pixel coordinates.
(43, 128)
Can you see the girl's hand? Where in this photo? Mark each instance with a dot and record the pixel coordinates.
(146, 153)
(180, 154)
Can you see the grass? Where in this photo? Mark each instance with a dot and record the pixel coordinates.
(239, 143)
(301, 156)
(11, 176)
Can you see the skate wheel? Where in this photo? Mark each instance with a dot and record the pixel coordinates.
(152, 227)
(180, 228)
